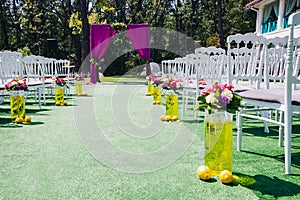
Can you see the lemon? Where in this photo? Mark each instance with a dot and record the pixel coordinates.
(204, 172)
(175, 118)
(167, 118)
(27, 119)
(57, 103)
(158, 102)
(153, 102)
(226, 176)
(19, 120)
(65, 103)
(162, 118)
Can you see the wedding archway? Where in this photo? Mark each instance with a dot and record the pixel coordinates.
(101, 36)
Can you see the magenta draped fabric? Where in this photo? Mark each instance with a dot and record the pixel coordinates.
(100, 38)
(140, 39)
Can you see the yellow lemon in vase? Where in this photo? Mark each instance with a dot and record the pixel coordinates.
(163, 118)
(175, 118)
(27, 119)
(204, 172)
(226, 176)
(19, 120)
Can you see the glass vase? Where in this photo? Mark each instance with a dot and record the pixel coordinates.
(17, 105)
(150, 88)
(157, 94)
(171, 104)
(59, 94)
(218, 142)
(78, 88)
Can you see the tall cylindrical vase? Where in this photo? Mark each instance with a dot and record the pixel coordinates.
(78, 87)
(218, 142)
(171, 104)
(17, 105)
(157, 95)
(150, 89)
(59, 94)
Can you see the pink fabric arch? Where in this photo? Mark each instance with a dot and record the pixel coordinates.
(101, 36)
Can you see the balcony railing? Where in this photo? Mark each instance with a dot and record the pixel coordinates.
(285, 22)
(269, 26)
(272, 25)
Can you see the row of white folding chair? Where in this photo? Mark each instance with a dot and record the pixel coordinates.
(36, 69)
(174, 68)
(262, 67)
(275, 64)
(11, 65)
(208, 64)
(42, 70)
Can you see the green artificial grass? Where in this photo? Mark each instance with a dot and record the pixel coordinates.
(124, 79)
(112, 145)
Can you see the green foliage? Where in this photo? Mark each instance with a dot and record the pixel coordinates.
(75, 24)
(25, 51)
(213, 40)
(31, 22)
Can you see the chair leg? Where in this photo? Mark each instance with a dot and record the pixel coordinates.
(265, 114)
(280, 139)
(39, 97)
(183, 105)
(239, 124)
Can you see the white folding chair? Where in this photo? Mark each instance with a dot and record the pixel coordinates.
(33, 66)
(286, 100)
(10, 68)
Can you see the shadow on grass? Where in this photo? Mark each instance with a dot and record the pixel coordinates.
(191, 121)
(7, 123)
(259, 131)
(264, 186)
(295, 157)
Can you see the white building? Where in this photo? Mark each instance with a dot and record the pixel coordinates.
(272, 16)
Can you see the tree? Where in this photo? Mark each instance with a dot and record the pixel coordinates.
(29, 23)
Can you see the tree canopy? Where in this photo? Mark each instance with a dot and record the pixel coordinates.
(30, 24)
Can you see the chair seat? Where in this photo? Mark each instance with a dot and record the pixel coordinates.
(274, 95)
(34, 83)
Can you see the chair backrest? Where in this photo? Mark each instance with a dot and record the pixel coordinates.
(49, 68)
(10, 65)
(179, 68)
(202, 64)
(62, 68)
(292, 70)
(33, 67)
(245, 62)
(165, 67)
(275, 52)
(216, 68)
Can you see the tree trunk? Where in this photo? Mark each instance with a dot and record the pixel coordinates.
(3, 27)
(220, 23)
(85, 39)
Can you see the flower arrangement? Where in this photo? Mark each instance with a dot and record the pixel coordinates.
(172, 84)
(155, 81)
(219, 97)
(79, 77)
(60, 82)
(16, 84)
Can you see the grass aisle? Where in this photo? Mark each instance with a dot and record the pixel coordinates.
(50, 159)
